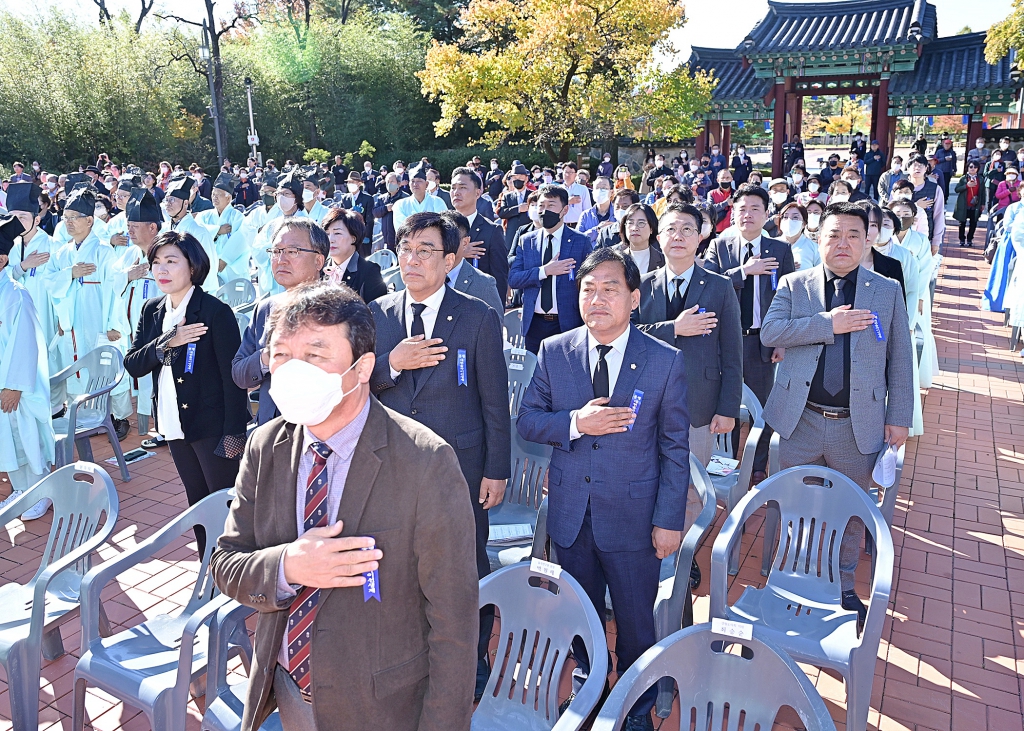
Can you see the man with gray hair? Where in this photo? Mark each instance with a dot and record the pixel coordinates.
(298, 250)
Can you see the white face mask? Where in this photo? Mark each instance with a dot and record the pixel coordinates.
(534, 214)
(1004, 146)
(980, 145)
(813, 219)
(798, 178)
(431, 185)
(791, 227)
(694, 166)
(839, 198)
(353, 188)
(705, 230)
(778, 197)
(306, 394)
(601, 195)
(307, 196)
(547, 178)
(884, 235)
(902, 195)
(813, 187)
(399, 170)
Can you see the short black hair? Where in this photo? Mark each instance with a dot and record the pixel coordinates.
(901, 201)
(323, 304)
(896, 222)
(417, 222)
(318, 238)
(652, 223)
(550, 190)
(748, 189)
(459, 220)
(845, 208)
(191, 249)
(920, 159)
(352, 220)
(471, 173)
(570, 165)
(687, 209)
(610, 254)
(633, 196)
(872, 209)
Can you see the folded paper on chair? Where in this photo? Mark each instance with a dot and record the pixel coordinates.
(722, 466)
(509, 533)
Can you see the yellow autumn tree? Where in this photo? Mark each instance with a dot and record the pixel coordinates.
(563, 73)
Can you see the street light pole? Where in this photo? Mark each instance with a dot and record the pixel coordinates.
(254, 138)
(204, 52)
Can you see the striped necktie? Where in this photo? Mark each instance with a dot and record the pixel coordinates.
(304, 607)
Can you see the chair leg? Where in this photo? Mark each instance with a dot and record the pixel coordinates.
(105, 629)
(143, 425)
(52, 644)
(734, 555)
(78, 707)
(84, 449)
(23, 666)
(858, 695)
(108, 425)
(771, 529)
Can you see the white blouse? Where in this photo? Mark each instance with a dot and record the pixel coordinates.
(167, 399)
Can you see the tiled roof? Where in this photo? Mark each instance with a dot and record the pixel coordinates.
(734, 81)
(848, 24)
(955, 64)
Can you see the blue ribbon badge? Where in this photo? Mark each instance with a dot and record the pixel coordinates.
(145, 289)
(190, 357)
(879, 335)
(701, 311)
(572, 272)
(775, 279)
(634, 404)
(372, 586)
(463, 376)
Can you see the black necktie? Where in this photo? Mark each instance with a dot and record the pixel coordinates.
(601, 388)
(834, 371)
(747, 294)
(547, 296)
(678, 299)
(417, 320)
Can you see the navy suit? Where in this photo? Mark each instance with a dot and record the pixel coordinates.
(607, 493)
(495, 260)
(363, 203)
(247, 368)
(524, 275)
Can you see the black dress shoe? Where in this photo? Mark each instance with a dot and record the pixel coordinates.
(564, 705)
(61, 414)
(758, 477)
(122, 427)
(695, 576)
(483, 673)
(153, 443)
(852, 603)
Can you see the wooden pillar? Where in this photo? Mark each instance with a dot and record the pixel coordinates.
(793, 112)
(726, 140)
(889, 142)
(701, 143)
(881, 119)
(974, 131)
(778, 127)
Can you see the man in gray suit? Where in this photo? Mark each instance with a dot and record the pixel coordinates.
(467, 278)
(440, 361)
(612, 402)
(250, 368)
(755, 264)
(828, 412)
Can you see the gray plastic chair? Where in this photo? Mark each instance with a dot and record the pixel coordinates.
(524, 493)
(238, 294)
(729, 489)
(513, 322)
(520, 365)
(393, 279)
(800, 607)
(673, 607)
(714, 680)
(384, 258)
(540, 616)
(89, 413)
(242, 318)
(152, 665)
(225, 702)
(887, 505)
(83, 496)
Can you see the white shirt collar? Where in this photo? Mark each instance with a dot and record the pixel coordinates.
(556, 234)
(618, 344)
(453, 275)
(686, 275)
(471, 218)
(344, 265)
(175, 311)
(433, 302)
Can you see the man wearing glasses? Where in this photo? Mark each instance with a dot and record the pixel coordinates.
(289, 205)
(440, 362)
(298, 250)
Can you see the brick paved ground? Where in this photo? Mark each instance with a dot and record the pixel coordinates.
(952, 652)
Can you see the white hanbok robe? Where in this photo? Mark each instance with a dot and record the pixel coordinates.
(26, 434)
(189, 225)
(260, 243)
(232, 248)
(919, 245)
(317, 211)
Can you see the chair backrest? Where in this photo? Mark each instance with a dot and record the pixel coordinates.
(514, 328)
(540, 616)
(237, 293)
(104, 367)
(242, 318)
(85, 503)
(750, 412)
(393, 279)
(384, 258)
(722, 682)
(529, 468)
(520, 365)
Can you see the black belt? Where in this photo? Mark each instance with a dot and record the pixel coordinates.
(752, 331)
(550, 318)
(829, 412)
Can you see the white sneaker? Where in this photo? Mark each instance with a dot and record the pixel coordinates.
(38, 510)
(10, 499)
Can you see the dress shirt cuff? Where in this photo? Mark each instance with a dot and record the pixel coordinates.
(574, 432)
(541, 274)
(285, 591)
(264, 369)
(394, 374)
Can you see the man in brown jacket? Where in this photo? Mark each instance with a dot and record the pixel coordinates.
(352, 537)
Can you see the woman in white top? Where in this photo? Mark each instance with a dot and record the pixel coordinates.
(921, 317)
(792, 220)
(638, 229)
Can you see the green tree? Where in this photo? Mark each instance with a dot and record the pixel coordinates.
(1006, 35)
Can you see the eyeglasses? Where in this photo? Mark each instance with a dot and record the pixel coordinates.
(72, 219)
(289, 252)
(642, 223)
(423, 253)
(680, 231)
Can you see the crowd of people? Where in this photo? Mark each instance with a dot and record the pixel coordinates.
(382, 436)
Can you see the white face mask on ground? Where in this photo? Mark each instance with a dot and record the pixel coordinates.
(306, 394)
(791, 227)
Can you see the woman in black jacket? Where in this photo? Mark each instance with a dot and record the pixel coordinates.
(345, 229)
(187, 339)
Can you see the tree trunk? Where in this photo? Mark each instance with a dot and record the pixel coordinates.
(313, 137)
(218, 78)
(550, 152)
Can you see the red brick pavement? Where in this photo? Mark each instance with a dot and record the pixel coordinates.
(952, 653)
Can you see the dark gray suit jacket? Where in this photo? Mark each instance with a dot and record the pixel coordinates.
(724, 257)
(478, 284)
(495, 260)
(474, 418)
(246, 367)
(713, 363)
